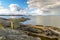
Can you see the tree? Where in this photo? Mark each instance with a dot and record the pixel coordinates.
(15, 22)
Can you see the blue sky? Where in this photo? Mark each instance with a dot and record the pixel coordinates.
(6, 3)
(30, 7)
(13, 7)
(21, 3)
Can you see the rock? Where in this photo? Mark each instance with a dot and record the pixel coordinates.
(48, 33)
(51, 33)
(10, 34)
(21, 37)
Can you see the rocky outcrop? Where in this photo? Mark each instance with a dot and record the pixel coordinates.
(10, 34)
(38, 31)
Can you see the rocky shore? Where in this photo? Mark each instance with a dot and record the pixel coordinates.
(10, 34)
(29, 32)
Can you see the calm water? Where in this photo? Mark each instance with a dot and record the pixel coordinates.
(40, 20)
(52, 20)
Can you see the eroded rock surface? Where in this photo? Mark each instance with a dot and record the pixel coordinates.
(10, 34)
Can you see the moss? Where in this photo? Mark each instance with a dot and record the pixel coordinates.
(1, 26)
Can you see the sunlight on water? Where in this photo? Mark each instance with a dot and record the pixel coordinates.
(46, 20)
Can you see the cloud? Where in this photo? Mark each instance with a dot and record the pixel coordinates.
(23, 12)
(41, 7)
(35, 12)
(13, 9)
(46, 6)
(3, 10)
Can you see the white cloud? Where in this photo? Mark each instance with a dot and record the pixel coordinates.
(13, 9)
(47, 6)
(23, 12)
(42, 7)
(3, 10)
(35, 12)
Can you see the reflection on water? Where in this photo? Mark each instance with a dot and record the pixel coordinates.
(46, 20)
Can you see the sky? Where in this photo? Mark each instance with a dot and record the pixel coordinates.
(45, 7)
(8, 7)
(21, 3)
(29, 7)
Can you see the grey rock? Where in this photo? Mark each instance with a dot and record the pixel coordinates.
(10, 34)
